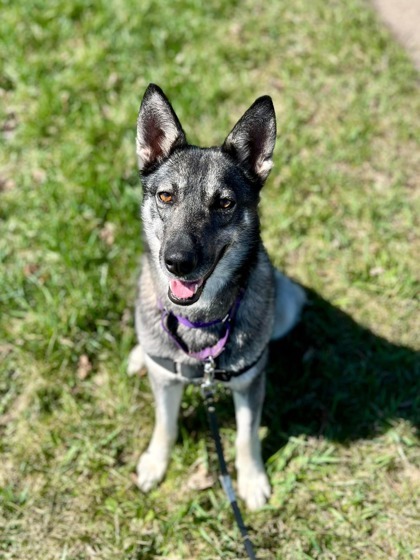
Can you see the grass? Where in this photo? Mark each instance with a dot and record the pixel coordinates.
(339, 215)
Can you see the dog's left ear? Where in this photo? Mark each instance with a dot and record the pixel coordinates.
(251, 141)
(159, 131)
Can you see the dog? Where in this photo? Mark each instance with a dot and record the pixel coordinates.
(207, 293)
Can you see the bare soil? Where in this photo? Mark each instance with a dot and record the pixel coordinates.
(403, 18)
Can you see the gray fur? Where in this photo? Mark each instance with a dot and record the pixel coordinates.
(226, 252)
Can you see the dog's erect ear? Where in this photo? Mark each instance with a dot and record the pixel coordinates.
(252, 140)
(158, 129)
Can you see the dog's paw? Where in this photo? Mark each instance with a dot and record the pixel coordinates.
(135, 360)
(150, 471)
(254, 488)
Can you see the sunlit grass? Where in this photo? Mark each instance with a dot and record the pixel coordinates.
(339, 215)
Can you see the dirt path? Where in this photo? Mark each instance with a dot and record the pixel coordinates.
(403, 18)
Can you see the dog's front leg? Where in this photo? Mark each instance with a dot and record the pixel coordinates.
(253, 485)
(152, 465)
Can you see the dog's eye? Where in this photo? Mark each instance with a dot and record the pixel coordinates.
(166, 197)
(226, 203)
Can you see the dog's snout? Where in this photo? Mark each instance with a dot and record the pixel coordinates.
(180, 263)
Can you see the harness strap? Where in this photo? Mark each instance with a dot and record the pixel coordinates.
(170, 320)
(196, 372)
(202, 355)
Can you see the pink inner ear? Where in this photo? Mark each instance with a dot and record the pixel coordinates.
(158, 129)
(154, 137)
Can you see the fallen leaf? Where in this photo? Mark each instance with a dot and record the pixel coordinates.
(107, 233)
(39, 176)
(200, 479)
(84, 367)
(30, 269)
(376, 271)
(7, 184)
(9, 125)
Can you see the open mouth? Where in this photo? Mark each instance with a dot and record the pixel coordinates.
(185, 293)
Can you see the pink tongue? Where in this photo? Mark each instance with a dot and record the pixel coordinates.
(184, 290)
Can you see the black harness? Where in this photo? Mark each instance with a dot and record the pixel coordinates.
(195, 373)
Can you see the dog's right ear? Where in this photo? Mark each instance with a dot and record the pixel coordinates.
(159, 131)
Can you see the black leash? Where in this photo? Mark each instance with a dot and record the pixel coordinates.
(226, 481)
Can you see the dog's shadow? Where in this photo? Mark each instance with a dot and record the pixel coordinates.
(331, 377)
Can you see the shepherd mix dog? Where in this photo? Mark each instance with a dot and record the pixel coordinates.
(207, 290)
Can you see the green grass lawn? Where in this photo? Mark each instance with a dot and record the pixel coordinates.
(339, 215)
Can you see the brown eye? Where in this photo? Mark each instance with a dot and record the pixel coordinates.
(226, 203)
(166, 197)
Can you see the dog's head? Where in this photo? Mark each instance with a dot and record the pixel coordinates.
(200, 204)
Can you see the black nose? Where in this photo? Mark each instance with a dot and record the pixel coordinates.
(180, 263)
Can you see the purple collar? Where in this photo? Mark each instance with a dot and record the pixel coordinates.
(210, 351)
